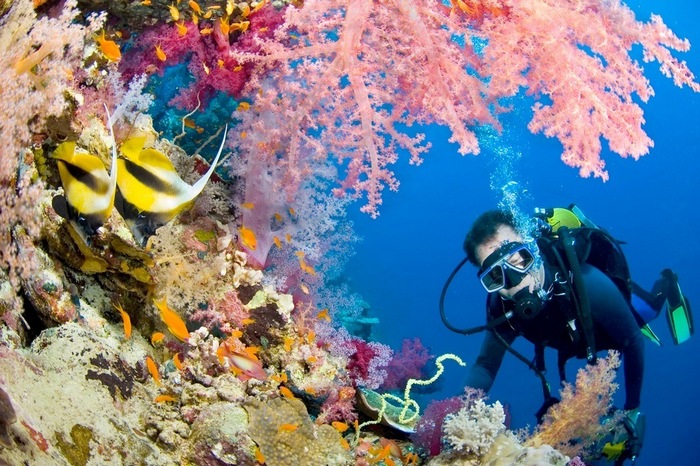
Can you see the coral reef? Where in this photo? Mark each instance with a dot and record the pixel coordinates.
(224, 338)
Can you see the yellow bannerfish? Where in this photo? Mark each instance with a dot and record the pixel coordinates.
(89, 189)
(151, 193)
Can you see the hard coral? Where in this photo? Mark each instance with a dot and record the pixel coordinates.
(305, 443)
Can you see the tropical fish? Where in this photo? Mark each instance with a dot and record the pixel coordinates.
(153, 369)
(109, 48)
(288, 427)
(160, 54)
(126, 319)
(157, 337)
(174, 322)
(248, 237)
(340, 426)
(89, 191)
(151, 193)
(244, 365)
(163, 398)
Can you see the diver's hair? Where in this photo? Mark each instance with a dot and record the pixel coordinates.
(485, 227)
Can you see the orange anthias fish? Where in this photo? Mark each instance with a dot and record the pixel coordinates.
(126, 319)
(248, 237)
(153, 369)
(109, 48)
(160, 54)
(174, 322)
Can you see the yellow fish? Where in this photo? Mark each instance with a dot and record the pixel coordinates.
(89, 189)
(151, 193)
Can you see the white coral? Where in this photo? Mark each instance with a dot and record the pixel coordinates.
(473, 429)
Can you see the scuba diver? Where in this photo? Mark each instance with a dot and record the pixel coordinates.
(568, 289)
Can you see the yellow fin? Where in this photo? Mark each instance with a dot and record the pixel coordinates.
(132, 147)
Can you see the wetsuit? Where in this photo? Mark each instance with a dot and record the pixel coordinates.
(614, 326)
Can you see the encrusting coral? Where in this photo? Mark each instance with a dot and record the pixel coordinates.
(208, 345)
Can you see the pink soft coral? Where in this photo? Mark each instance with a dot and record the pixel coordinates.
(343, 79)
(357, 72)
(407, 364)
(573, 56)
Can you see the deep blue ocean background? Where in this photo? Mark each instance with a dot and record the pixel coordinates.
(651, 204)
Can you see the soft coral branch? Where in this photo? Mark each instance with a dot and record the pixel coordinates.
(359, 71)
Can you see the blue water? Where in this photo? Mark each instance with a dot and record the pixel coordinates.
(651, 204)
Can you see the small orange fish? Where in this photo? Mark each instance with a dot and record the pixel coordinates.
(310, 390)
(247, 321)
(220, 63)
(206, 69)
(287, 393)
(243, 106)
(258, 5)
(288, 427)
(109, 48)
(238, 68)
(174, 322)
(153, 370)
(189, 123)
(195, 7)
(207, 15)
(311, 359)
(288, 238)
(157, 337)
(248, 205)
(163, 398)
(288, 344)
(344, 443)
(280, 378)
(324, 315)
(146, 2)
(277, 242)
(292, 212)
(311, 337)
(299, 254)
(304, 288)
(206, 31)
(195, 19)
(160, 54)
(126, 319)
(278, 217)
(174, 12)
(181, 28)
(236, 333)
(245, 10)
(340, 426)
(224, 25)
(240, 26)
(177, 362)
(248, 238)
(259, 457)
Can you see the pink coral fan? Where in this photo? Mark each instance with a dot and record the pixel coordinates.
(407, 364)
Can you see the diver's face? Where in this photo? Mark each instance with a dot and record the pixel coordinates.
(505, 234)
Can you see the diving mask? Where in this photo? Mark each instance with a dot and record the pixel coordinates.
(507, 266)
